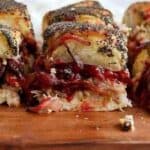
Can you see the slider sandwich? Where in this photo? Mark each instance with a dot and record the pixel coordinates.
(139, 51)
(11, 66)
(83, 68)
(17, 49)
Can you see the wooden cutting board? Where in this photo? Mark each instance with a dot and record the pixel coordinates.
(69, 130)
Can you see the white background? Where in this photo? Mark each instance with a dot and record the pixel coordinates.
(38, 8)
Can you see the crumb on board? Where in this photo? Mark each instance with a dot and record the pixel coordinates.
(127, 123)
(77, 116)
(97, 128)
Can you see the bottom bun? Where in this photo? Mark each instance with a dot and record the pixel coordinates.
(115, 99)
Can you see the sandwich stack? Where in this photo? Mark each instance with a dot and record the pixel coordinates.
(16, 49)
(83, 66)
(139, 51)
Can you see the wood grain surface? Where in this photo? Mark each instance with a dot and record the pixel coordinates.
(72, 130)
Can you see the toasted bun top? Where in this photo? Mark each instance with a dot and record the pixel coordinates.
(61, 14)
(6, 5)
(60, 28)
(136, 13)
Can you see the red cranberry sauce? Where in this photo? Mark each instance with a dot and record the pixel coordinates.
(11, 72)
(73, 71)
(71, 77)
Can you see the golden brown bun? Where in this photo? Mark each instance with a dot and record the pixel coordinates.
(86, 3)
(138, 36)
(136, 14)
(10, 41)
(79, 14)
(15, 15)
(105, 46)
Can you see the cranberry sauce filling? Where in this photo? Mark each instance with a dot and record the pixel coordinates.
(71, 77)
(29, 44)
(11, 72)
(74, 71)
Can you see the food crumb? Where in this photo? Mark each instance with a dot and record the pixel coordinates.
(77, 116)
(127, 123)
(49, 111)
(86, 118)
(97, 128)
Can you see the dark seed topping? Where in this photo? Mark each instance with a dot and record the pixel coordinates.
(106, 50)
(6, 31)
(70, 14)
(63, 27)
(6, 5)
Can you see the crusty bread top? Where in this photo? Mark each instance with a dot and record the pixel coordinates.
(16, 15)
(139, 6)
(89, 3)
(61, 14)
(82, 4)
(64, 27)
(6, 5)
(135, 14)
